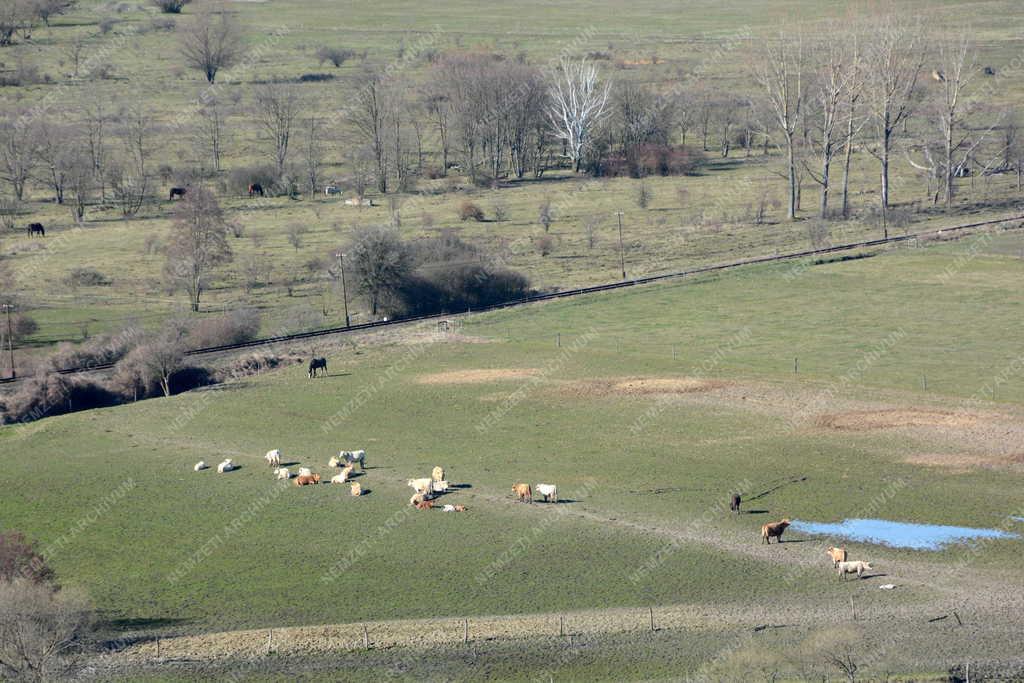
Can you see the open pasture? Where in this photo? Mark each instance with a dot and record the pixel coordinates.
(645, 445)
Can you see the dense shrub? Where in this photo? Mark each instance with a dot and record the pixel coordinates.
(651, 159)
(230, 328)
(49, 394)
(20, 559)
(470, 211)
(453, 288)
(170, 6)
(335, 55)
(315, 78)
(99, 350)
(85, 277)
(241, 177)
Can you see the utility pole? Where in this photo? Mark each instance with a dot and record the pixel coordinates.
(10, 338)
(344, 288)
(622, 256)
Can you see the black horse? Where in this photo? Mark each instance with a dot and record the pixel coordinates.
(35, 229)
(317, 364)
(177, 192)
(256, 189)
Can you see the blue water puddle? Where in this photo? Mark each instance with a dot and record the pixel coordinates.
(900, 534)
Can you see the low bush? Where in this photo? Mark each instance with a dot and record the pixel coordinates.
(230, 328)
(470, 211)
(85, 277)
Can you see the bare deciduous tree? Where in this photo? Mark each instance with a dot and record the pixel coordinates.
(277, 106)
(577, 104)
(197, 243)
(211, 42)
(40, 628)
(313, 149)
(209, 132)
(47, 9)
(893, 60)
(369, 118)
(17, 156)
(128, 177)
(381, 263)
(779, 69)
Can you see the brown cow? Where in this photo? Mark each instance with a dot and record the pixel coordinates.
(307, 479)
(773, 529)
(734, 503)
(424, 504)
(523, 492)
(460, 508)
(837, 554)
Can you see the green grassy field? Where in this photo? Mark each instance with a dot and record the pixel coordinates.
(179, 552)
(710, 221)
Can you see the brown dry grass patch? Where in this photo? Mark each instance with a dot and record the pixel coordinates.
(637, 386)
(961, 463)
(478, 376)
(863, 420)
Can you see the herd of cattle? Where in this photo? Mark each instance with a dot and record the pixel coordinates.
(426, 489)
(837, 555)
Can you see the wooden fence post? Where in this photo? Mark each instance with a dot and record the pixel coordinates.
(465, 631)
(652, 618)
(558, 339)
(270, 640)
(366, 638)
(796, 365)
(561, 625)
(158, 647)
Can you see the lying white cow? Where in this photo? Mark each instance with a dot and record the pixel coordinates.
(334, 461)
(440, 486)
(273, 458)
(226, 466)
(549, 491)
(201, 465)
(358, 201)
(342, 477)
(283, 473)
(305, 472)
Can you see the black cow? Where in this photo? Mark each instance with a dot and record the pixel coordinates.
(734, 503)
(35, 229)
(177, 192)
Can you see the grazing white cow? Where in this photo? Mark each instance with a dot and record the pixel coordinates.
(226, 466)
(283, 473)
(353, 457)
(437, 474)
(201, 465)
(273, 458)
(858, 568)
(549, 491)
(341, 477)
(305, 472)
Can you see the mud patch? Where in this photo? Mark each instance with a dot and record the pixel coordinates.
(863, 420)
(479, 376)
(637, 386)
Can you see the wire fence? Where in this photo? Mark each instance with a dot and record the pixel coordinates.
(563, 294)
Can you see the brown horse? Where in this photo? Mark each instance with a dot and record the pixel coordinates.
(35, 229)
(177, 192)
